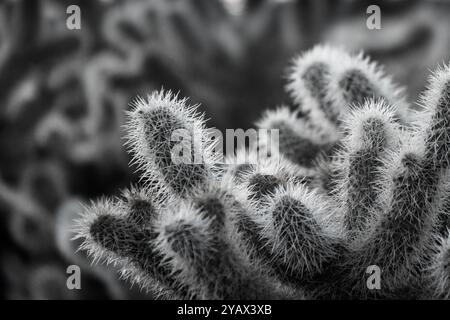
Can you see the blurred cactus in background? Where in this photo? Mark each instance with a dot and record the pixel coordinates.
(64, 94)
(305, 223)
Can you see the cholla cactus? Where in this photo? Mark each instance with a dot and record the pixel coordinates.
(360, 180)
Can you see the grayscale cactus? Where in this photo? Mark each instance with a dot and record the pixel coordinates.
(360, 179)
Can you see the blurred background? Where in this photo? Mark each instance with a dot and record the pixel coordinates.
(63, 94)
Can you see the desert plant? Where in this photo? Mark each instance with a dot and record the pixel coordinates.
(360, 180)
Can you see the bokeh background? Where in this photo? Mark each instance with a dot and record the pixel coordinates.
(63, 94)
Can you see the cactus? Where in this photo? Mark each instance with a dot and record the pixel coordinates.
(359, 180)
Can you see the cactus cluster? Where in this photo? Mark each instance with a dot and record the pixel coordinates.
(64, 92)
(62, 100)
(361, 179)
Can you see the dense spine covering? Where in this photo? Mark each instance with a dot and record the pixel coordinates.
(298, 142)
(199, 247)
(358, 181)
(111, 232)
(155, 127)
(440, 275)
(326, 82)
(371, 136)
(297, 230)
